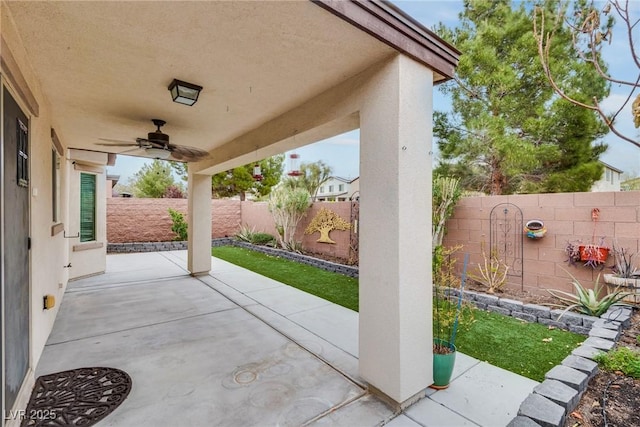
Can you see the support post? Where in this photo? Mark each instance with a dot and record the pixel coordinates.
(199, 220)
(395, 348)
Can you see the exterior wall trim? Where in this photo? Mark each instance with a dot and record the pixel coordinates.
(12, 72)
(394, 27)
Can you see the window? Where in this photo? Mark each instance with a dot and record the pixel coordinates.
(607, 175)
(341, 187)
(331, 189)
(87, 207)
(55, 185)
(322, 189)
(23, 154)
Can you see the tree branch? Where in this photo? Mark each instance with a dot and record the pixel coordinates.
(544, 48)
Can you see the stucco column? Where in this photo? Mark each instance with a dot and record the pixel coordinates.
(199, 219)
(395, 231)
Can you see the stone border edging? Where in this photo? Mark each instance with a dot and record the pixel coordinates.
(124, 248)
(560, 392)
(533, 313)
(346, 270)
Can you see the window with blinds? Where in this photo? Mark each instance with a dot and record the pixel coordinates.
(23, 154)
(87, 207)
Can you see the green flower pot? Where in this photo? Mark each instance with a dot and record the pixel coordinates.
(443, 366)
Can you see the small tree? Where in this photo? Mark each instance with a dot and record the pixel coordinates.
(179, 226)
(240, 180)
(324, 222)
(173, 192)
(152, 180)
(312, 176)
(288, 207)
(446, 193)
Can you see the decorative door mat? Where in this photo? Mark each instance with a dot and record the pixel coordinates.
(80, 397)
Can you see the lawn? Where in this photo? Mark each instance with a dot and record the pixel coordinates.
(337, 288)
(528, 349)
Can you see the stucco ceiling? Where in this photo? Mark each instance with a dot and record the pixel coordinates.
(105, 66)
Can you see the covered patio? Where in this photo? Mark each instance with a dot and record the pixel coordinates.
(236, 348)
(77, 76)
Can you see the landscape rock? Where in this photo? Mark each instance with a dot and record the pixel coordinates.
(582, 364)
(569, 376)
(542, 410)
(559, 393)
(521, 421)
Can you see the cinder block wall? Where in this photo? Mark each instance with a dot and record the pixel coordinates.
(256, 214)
(567, 216)
(132, 220)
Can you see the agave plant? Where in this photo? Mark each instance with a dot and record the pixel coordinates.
(588, 301)
(625, 263)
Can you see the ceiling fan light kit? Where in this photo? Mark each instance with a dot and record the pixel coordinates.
(183, 92)
(158, 153)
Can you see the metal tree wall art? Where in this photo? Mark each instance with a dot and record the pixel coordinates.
(324, 222)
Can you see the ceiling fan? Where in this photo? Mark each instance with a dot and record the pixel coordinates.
(156, 145)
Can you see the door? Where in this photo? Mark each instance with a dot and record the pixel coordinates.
(15, 252)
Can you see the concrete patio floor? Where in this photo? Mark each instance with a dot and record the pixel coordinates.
(238, 349)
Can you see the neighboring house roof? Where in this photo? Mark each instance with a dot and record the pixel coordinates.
(608, 166)
(631, 184)
(345, 180)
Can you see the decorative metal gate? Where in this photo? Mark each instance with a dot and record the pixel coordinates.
(353, 234)
(506, 237)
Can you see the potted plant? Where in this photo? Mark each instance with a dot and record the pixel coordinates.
(449, 314)
(626, 274)
(593, 255)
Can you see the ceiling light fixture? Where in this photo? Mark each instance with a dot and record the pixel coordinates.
(183, 92)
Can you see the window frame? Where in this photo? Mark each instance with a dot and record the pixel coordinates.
(88, 232)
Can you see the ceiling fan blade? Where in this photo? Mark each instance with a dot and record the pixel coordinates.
(137, 151)
(116, 143)
(177, 156)
(189, 153)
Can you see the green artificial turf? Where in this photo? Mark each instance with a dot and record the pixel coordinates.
(337, 288)
(528, 349)
(515, 345)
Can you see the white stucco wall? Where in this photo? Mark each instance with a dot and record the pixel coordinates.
(87, 258)
(610, 181)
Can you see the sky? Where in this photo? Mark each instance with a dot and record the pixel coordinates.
(342, 152)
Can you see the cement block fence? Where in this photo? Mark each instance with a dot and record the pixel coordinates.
(567, 217)
(143, 221)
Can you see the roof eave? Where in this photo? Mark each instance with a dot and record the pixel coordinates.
(389, 24)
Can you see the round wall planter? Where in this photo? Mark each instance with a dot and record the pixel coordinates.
(535, 229)
(625, 284)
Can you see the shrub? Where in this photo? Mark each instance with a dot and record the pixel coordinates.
(288, 207)
(250, 235)
(245, 234)
(179, 225)
(621, 359)
(265, 239)
(587, 301)
(492, 273)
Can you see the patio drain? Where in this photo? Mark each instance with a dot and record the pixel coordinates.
(79, 397)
